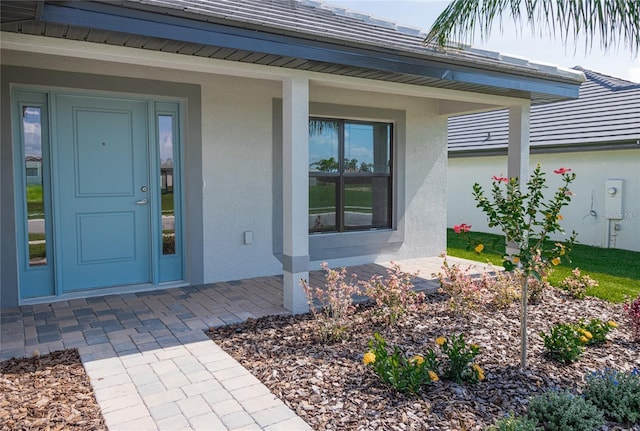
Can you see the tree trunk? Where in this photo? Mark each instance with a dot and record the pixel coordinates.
(523, 321)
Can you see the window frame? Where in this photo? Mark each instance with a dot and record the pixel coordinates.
(342, 177)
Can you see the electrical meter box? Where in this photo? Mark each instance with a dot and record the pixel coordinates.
(613, 199)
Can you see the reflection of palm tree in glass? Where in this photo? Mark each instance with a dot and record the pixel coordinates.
(350, 165)
(326, 165)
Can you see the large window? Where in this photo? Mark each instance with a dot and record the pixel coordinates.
(349, 175)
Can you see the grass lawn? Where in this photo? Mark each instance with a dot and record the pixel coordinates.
(323, 196)
(617, 271)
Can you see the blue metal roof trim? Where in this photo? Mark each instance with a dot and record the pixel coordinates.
(112, 17)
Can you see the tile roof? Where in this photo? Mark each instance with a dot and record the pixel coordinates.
(606, 115)
(398, 48)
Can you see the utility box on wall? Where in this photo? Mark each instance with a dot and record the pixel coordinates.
(613, 199)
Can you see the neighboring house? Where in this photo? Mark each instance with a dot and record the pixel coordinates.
(250, 100)
(597, 136)
(33, 170)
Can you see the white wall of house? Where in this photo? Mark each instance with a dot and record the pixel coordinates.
(237, 149)
(592, 168)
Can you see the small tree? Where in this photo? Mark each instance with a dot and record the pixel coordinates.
(527, 220)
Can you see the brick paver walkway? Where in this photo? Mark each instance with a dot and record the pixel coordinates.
(150, 362)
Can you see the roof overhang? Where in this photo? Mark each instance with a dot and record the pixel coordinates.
(248, 43)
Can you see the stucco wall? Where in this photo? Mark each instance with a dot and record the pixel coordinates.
(237, 168)
(237, 175)
(592, 168)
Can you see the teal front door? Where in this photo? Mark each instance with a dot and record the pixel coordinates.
(101, 192)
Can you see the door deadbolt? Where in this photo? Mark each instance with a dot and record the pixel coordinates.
(143, 188)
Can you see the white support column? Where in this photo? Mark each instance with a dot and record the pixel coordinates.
(295, 196)
(518, 152)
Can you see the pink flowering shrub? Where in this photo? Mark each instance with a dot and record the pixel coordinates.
(393, 295)
(466, 292)
(632, 309)
(332, 304)
(577, 284)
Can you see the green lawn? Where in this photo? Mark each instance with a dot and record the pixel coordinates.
(322, 197)
(617, 271)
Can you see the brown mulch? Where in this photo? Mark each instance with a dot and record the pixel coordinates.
(331, 389)
(51, 392)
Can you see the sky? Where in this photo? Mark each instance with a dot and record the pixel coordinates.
(616, 62)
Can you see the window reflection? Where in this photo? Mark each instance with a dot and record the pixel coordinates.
(32, 145)
(323, 146)
(166, 147)
(322, 203)
(350, 179)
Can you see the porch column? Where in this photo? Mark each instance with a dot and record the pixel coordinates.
(295, 196)
(518, 149)
(518, 152)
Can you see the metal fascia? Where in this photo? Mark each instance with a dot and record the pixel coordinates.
(111, 17)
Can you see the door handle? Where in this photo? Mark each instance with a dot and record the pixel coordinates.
(141, 202)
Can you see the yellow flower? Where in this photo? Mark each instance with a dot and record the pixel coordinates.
(583, 339)
(562, 251)
(588, 334)
(479, 371)
(369, 358)
(418, 359)
(556, 261)
(433, 376)
(479, 248)
(560, 217)
(612, 324)
(474, 346)
(515, 259)
(440, 341)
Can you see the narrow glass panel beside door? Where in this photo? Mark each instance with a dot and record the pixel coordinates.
(166, 147)
(36, 214)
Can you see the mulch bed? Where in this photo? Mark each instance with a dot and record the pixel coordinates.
(50, 393)
(331, 389)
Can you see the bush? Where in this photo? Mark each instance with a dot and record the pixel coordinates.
(538, 286)
(616, 393)
(514, 423)
(563, 411)
(632, 309)
(597, 329)
(394, 295)
(332, 305)
(577, 284)
(503, 287)
(564, 342)
(466, 292)
(395, 369)
(460, 366)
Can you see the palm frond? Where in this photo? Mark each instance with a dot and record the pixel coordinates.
(613, 22)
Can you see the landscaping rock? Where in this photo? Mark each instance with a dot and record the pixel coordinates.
(330, 387)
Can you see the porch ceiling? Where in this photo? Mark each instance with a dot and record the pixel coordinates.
(238, 31)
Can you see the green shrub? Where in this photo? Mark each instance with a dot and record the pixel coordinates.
(460, 366)
(395, 369)
(616, 393)
(563, 411)
(597, 329)
(514, 423)
(564, 343)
